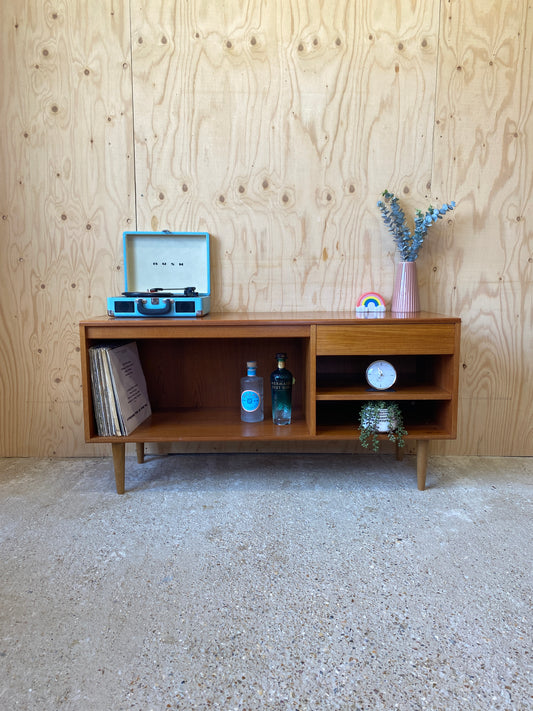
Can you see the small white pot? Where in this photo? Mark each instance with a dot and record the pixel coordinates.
(384, 423)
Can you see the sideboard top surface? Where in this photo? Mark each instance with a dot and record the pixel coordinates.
(282, 318)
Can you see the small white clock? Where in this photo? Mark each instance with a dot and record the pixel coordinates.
(381, 375)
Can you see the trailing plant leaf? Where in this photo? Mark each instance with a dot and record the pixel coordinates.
(369, 418)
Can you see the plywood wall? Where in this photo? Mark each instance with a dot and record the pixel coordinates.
(274, 126)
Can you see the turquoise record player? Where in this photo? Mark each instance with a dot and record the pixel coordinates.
(167, 275)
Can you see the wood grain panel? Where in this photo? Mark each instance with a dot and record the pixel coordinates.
(391, 339)
(483, 267)
(66, 192)
(273, 126)
(264, 126)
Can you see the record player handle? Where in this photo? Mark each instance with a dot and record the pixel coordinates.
(165, 309)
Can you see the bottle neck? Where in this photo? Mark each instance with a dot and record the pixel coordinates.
(281, 364)
(251, 371)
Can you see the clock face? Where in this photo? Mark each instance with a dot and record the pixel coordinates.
(381, 375)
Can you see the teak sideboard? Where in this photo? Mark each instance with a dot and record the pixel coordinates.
(193, 369)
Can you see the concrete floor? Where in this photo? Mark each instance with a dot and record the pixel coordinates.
(266, 582)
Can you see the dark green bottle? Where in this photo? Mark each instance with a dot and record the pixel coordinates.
(281, 386)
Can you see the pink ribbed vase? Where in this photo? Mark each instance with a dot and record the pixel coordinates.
(405, 298)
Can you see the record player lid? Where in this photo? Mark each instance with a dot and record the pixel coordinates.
(153, 259)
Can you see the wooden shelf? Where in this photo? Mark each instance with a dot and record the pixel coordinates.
(210, 425)
(361, 392)
(343, 432)
(193, 367)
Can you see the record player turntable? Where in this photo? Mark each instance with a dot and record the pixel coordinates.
(152, 259)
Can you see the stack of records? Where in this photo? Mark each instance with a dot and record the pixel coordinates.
(120, 396)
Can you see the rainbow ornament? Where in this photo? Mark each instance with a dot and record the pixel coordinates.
(370, 302)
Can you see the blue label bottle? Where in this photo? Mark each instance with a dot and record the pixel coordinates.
(251, 394)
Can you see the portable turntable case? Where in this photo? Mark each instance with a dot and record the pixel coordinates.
(166, 276)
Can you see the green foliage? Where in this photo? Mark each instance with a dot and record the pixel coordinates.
(369, 417)
(407, 242)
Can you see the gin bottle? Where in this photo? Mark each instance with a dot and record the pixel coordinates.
(281, 387)
(251, 394)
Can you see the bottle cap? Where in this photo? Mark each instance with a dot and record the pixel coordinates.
(281, 356)
(251, 364)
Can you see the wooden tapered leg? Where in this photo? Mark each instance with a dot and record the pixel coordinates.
(119, 463)
(422, 448)
(399, 453)
(140, 452)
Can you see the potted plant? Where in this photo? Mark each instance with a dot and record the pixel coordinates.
(379, 417)
(408, 242)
